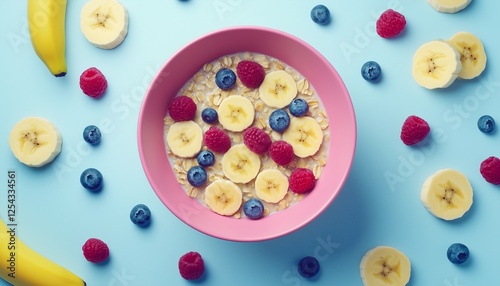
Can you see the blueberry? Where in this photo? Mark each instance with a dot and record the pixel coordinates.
(298, 107)
(197, 176)
(371, 71)
(92, 134)
(91, 179)
(225, 78)
(253, 208)
(279, 120)
(140, 215)
(320, 14)
(308, 267)
(486, 124)
(457, 253)
(209, 115)
(206, 158)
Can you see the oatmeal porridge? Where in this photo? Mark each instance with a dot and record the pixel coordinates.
(232, 135)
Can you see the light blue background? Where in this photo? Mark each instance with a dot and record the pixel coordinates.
(56, 215)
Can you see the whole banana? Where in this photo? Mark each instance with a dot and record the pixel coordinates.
(47, 26)
(22, 266)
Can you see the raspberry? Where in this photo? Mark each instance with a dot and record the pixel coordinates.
(95, 250)
(257, 140)
(182, 108)
(301, 180)
(191, 265)
(217, 140)
(281, 152)
(414, 130)
(390, 24)
(490, 170)
(93, 83)
(250, 73)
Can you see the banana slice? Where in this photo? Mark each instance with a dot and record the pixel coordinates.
(447, 194)
(185, 138)
(383, 266)
(278, 89)
(271, 185)
(104, 23)
(436, 64)
(305, 135)
(223, 197)
(236, 113)
(472, 54)
(449, 6)
(239, 164)
(35, 141)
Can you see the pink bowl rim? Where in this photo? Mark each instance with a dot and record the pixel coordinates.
(271, 225)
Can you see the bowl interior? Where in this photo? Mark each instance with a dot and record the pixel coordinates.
(182, 66)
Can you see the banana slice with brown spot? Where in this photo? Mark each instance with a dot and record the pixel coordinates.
(35, 141)
(472, 54)
(385, 266)
(223, 197)
(447, 194)
(436, 64)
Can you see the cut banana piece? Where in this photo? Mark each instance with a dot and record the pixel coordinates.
(223, 197)
(436, 64)
(305, 135)
(449, 6)
(447, 194)
(236, 113)
(271, 185)
(35, 141)
(278, 89)
(384, 266)
(104, 23)
(472, 54)
(239, 164)
(185, 138)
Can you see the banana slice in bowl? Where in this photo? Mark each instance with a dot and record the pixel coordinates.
(271, 185)
(239, 164)
(447, 194)
(223, 197)
(35, 141)
(104, 23)
(278, 89)
(236, 113)
(384, 266)
(185, 138)
(305, 135)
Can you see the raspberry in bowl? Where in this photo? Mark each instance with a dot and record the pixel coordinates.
(199, 54)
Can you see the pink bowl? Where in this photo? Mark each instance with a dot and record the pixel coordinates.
(182, 66)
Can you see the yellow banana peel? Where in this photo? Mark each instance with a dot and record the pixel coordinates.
(22, 266)
(47, 27)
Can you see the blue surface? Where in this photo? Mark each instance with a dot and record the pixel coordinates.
(379, 204)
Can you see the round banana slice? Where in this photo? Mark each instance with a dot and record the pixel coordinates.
(305, 135)
(449, 6)
(223, 197)
(278, 89)
(271, 185)
(35, 141)
(239, 164)
(384, 266)
(447, 194)
(104, 23)
(236, 113)
(185, 138)
(472, 54)
(436, 64)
